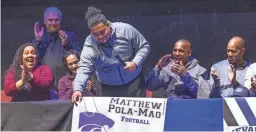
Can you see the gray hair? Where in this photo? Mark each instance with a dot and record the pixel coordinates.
(52, 9)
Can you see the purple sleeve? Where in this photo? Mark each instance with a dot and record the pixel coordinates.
(155, 79)
(215, 92)
(53, 94)
(190, 84)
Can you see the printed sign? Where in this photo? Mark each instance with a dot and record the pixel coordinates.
(239, 115)
(242, 129)
(116, 114)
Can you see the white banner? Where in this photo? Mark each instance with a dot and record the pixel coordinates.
(241, 129)
(239, 115)
(114, 114)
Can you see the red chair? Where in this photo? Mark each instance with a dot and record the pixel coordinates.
(149, 94)
(4, 97)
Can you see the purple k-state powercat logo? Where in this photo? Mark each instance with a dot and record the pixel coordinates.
(94, 122)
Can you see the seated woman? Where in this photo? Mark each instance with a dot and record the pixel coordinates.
(65, 85)
(26, 80)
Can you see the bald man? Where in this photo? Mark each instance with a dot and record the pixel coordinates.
(52, 41)
(229, 74)
(179, 74)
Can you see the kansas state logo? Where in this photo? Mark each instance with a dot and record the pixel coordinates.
(94, 122)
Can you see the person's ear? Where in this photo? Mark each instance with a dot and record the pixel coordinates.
(190, 53)
(243, 51)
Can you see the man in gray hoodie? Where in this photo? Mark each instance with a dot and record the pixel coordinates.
(116, 51)
(181, 76)
(229, 74)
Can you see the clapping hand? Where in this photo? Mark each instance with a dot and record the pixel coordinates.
(232, 73)
(179, 69)
(38, 32)
(64, 37)
(26, 76)
(164, 61)
(215, 76)
(23, 75)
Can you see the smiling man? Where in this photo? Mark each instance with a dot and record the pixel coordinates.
(179, 74)
(229, 74)
(52, 41)
(116, 51)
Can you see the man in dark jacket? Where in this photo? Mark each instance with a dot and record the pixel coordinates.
(181, 76)
(52, 41)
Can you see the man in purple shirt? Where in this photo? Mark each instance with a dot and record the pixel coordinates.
(65, 89)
